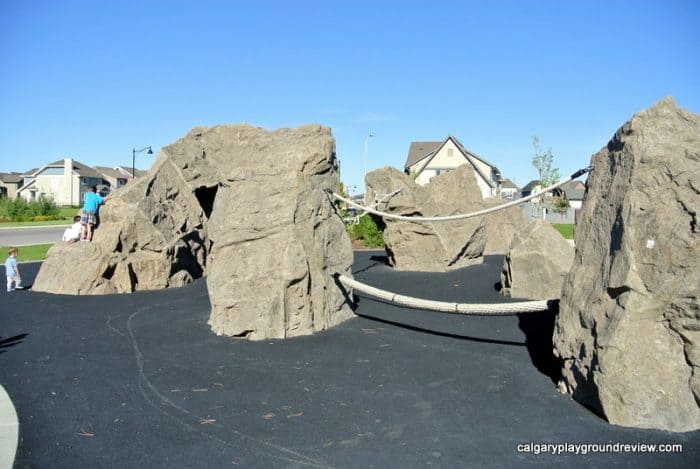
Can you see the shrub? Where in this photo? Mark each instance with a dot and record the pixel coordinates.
(20, 210)
(368, 231)
(47, 207)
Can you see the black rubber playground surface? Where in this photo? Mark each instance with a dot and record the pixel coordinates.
(140, 381)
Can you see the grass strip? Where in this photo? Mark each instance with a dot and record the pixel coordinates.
(66, 214)
(566, 230)
(32, 252)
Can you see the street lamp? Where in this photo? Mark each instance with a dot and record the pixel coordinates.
(369, 135)
(133, 159)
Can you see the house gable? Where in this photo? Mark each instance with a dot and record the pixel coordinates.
(418, 151)
(63, 180)
(428, 159)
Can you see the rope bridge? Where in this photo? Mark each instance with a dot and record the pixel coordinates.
(394, 216)
(483, 309)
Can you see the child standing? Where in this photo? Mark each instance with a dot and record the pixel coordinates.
(12, 271)
(88, 219)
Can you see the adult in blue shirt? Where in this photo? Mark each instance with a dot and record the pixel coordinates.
(88, 218)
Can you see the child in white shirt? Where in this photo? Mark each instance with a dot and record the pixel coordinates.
(72, 234)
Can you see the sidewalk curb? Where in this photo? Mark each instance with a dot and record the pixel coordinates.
(9, 430)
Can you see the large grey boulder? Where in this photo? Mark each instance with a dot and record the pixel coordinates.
(152, 235)
(434, 246)
(246, 208)
(277, 240)
(502, 226)
(536, 263)
(628, 329)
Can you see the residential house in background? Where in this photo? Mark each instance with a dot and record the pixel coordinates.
(574, 191)
(428, 159)
(508, 189)
(116, 177)
(64, 180)
(530, 188)
(10, 184)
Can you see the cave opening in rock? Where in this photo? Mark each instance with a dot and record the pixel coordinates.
(205, 197)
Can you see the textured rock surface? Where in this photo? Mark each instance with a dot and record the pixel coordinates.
(152, 235)
(241, 205)
(502, 226)
(629, 324)
(276, 238)
(430, 247)
(536, 263)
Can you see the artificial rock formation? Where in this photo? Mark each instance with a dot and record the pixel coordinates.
(536, 263)
(434, 246)
(245, 207)
(502, 226)
(628, 330)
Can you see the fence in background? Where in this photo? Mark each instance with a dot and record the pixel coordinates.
(543, 211)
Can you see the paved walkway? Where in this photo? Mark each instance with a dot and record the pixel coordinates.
(140, 381)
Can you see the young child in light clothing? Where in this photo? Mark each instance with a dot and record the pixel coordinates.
(72, 234)
(14, 281)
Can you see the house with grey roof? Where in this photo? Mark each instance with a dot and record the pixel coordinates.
(116, 177)
(508, 189)
(428, 159)
(572, 190)
(9, 184)
(530, 188)
(65, 181)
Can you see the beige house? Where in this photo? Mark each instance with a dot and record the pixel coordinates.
(508, 189)
(10, 184)
(65, 181)
(116, 177)
(428, 159)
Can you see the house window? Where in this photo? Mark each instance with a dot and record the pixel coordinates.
(450, 152)
(442, 171)
(52, 172)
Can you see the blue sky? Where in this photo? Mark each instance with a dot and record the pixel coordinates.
(94, 79)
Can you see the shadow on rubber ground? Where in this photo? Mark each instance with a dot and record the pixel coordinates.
(139, 380)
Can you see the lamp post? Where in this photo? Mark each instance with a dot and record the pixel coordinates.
(369, 135)
(133, 159)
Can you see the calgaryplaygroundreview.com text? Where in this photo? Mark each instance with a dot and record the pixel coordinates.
(587, 448)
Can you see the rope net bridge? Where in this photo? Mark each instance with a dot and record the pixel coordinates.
(484, 309)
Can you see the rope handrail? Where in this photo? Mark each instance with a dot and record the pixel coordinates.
(356, 218)
(395, 216)
(485, 309)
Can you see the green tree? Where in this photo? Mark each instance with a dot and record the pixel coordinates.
(543, 161)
